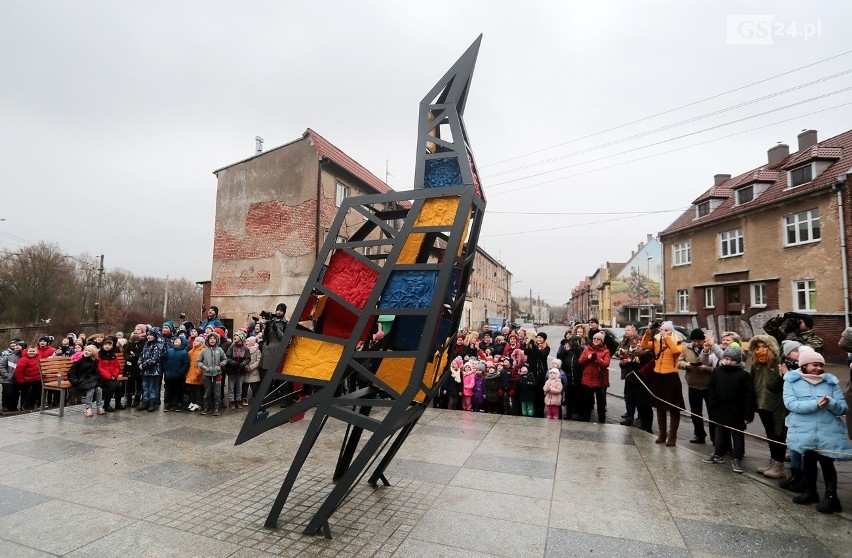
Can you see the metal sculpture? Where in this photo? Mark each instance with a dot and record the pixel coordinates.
(425, 241)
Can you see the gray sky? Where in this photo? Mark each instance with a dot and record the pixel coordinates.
(114, 114)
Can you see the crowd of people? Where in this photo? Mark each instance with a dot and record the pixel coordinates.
(781, 379)
(182, 367)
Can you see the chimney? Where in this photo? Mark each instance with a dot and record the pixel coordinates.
(719, 178)
(777, 153)
(808, 138)
(650, 238)
(258, 145)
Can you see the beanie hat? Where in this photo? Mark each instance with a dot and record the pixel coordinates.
(697, 334)
(281, 306)
(733, 353)
(845, 342)
(668, 324)
(788, 346)
(241, 335)
(807, 356)
(15, 341)
(599, 335)
(44, 338)
(808, 320)
(542, 334)
(220, 332)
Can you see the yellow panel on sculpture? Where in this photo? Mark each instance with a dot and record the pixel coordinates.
(438, 212)
(411, 248)
(396, 372)
(309, 358)
(464, 235)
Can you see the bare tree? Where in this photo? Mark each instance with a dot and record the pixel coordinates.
(36, 284)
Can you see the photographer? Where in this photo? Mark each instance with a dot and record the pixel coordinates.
(273, 335)
(667, 346)
(795, 327)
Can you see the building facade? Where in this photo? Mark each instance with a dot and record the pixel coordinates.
(489, 298)
(768, 241)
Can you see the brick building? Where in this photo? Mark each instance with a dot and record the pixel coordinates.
(273, 211)
(768, 241)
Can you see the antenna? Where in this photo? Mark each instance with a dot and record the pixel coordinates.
(258, 145)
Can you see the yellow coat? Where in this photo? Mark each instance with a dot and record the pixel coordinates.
(666, 361)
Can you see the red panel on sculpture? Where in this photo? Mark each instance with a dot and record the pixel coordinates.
(349, 278)
(339, 322)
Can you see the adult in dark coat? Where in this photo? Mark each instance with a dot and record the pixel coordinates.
(569, 354)
(731, 403)
(132, 352)
(537, 351)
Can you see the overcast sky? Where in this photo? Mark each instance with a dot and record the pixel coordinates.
(114, 114)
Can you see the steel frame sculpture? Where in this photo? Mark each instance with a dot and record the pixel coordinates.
(419, 277)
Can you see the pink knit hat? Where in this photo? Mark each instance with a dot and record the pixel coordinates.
(807, 356)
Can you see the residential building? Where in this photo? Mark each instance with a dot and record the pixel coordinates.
(600, 291)
(636, 287)
(489, 298)
(768, 241)
(580, 304)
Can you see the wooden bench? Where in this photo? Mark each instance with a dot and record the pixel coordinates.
(54, 377)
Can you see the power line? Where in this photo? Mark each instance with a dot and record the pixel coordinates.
(586, 212)
(528, 186)
(571, 226)
(693, 103)
(673, 125)
(764, 113)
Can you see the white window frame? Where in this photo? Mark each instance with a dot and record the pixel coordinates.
(341, 194)
(791, 171)
(795, 220)
(709, 297)
(682, 300)
(806, 287)
(733, 239)
(682, 253)
(758, 295)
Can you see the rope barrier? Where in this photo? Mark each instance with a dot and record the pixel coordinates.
(709, 421)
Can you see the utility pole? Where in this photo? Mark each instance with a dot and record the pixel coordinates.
(166, 300)
(98, 289)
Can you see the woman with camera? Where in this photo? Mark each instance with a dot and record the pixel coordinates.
(665, 383)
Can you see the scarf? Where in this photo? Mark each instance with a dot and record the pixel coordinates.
(813, 379)
(761, 355)
(456, 372)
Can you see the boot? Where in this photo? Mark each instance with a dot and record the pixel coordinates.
(775, 471)
(136, 400)
(119, 406)
(671, 440)
(831, 503)
(795, 479)
(661, 424)
(153, 407)
(806, 497)
(143, 406)
(765, 467)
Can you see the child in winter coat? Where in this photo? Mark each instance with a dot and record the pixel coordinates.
(814, 426)
(110, 370)
(175, 368)
(595, 362)
(730, 402)
(553, 394)
(453, 383)
(508, 387)
(151, 366)
(84, 376)
(478, 399)
(28, 378)
(195, 376)
(237, 356)
(526, 386)
(251, 379)
(468, 383)
(492, 390)
(212, 361)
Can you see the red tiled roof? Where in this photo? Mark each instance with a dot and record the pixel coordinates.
(838, 148)
(325, 149)
(815, 152)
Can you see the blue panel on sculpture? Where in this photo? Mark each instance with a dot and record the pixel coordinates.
(409, 289)
(409, 332)
(442, 172)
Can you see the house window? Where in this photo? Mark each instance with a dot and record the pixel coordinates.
(731, 243)
(702, 209)
(804, 295)
(801, 175)
(745, 195)
(342, 193)
(709, 298)
(802, 227)
(683, 300)
(758, 294)
(681, 253)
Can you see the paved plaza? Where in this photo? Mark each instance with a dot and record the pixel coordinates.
(173, 484)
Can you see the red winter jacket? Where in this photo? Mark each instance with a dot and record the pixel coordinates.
(27, 370)
(595, 371)
(109, 369)
(46, 352)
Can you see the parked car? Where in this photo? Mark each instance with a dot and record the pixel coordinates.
(617, 332)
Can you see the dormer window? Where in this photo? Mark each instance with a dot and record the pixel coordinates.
(801, 175)
(706, 207)
(748, 193)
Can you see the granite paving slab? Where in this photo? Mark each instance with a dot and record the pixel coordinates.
(183, 476)
(498, 505)
(420, 470)
(50, 448)
(507, 483)
(13, 499)
(194, 435)
(128, 496)
(10, 462)
(10, 549)
(413, 548)
(742, 541)
(514, 465)
(564, 543)
(459, 431)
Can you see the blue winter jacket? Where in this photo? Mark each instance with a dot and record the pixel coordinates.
(177, 362)
(153, 354)
(808, 426)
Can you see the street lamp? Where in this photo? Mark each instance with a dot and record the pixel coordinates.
(648, 280)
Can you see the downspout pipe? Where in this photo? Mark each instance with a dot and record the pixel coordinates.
(839, 187)
(319, 201)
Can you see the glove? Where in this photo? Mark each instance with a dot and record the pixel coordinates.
(218, 379)
(593, 356)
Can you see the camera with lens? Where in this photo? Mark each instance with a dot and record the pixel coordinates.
(266, 314)
(655, 325)
(793, 322)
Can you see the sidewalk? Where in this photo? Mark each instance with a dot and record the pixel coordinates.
(173, 484)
